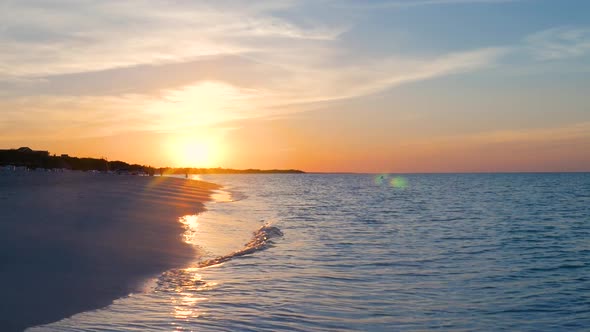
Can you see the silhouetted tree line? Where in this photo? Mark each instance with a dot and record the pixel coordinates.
(41, 159)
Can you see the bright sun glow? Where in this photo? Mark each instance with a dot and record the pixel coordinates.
(203, 104)
(194, 152)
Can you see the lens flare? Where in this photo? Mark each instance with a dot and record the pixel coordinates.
(399, 182)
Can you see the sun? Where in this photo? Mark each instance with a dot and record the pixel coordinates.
(194, 152)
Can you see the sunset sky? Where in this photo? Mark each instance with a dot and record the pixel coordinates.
(324, 85)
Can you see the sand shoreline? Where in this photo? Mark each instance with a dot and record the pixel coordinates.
(73, 242)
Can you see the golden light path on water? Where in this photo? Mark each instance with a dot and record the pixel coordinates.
(188, 283)
(190, 294)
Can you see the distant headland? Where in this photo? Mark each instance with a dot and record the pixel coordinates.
(27, 158)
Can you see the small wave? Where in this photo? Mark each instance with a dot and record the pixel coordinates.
(260, 241)
(226, 195)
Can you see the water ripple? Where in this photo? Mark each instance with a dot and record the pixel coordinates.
(446, 252)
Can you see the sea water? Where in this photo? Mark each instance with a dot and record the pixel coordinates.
(456, 252)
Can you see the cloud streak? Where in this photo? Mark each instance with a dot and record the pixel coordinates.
(71, 36)
(399, 4)
(283, 64)
(214, 99)
(559, 43)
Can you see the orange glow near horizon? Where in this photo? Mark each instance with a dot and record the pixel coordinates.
(316, 145)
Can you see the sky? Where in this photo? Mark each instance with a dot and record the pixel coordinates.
(324, 86)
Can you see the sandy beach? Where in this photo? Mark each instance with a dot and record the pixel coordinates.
(71, 242)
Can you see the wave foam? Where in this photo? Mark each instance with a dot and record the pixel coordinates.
(260, 241)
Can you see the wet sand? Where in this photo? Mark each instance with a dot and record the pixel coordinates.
(72, 242)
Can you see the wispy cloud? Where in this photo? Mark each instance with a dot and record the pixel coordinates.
(416, 3)
(560, 43)
(284, 63)
(397, 71)
(212, 100)
(71, 36)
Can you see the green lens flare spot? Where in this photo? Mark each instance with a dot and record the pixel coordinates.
(399, 182)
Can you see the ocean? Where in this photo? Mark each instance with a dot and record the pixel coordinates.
(361, 252)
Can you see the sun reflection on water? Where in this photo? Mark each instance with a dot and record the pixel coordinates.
(191, 225)
(186, 286)
(186, 304)
(186, 289)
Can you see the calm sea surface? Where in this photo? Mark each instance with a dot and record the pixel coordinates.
(377, 253)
